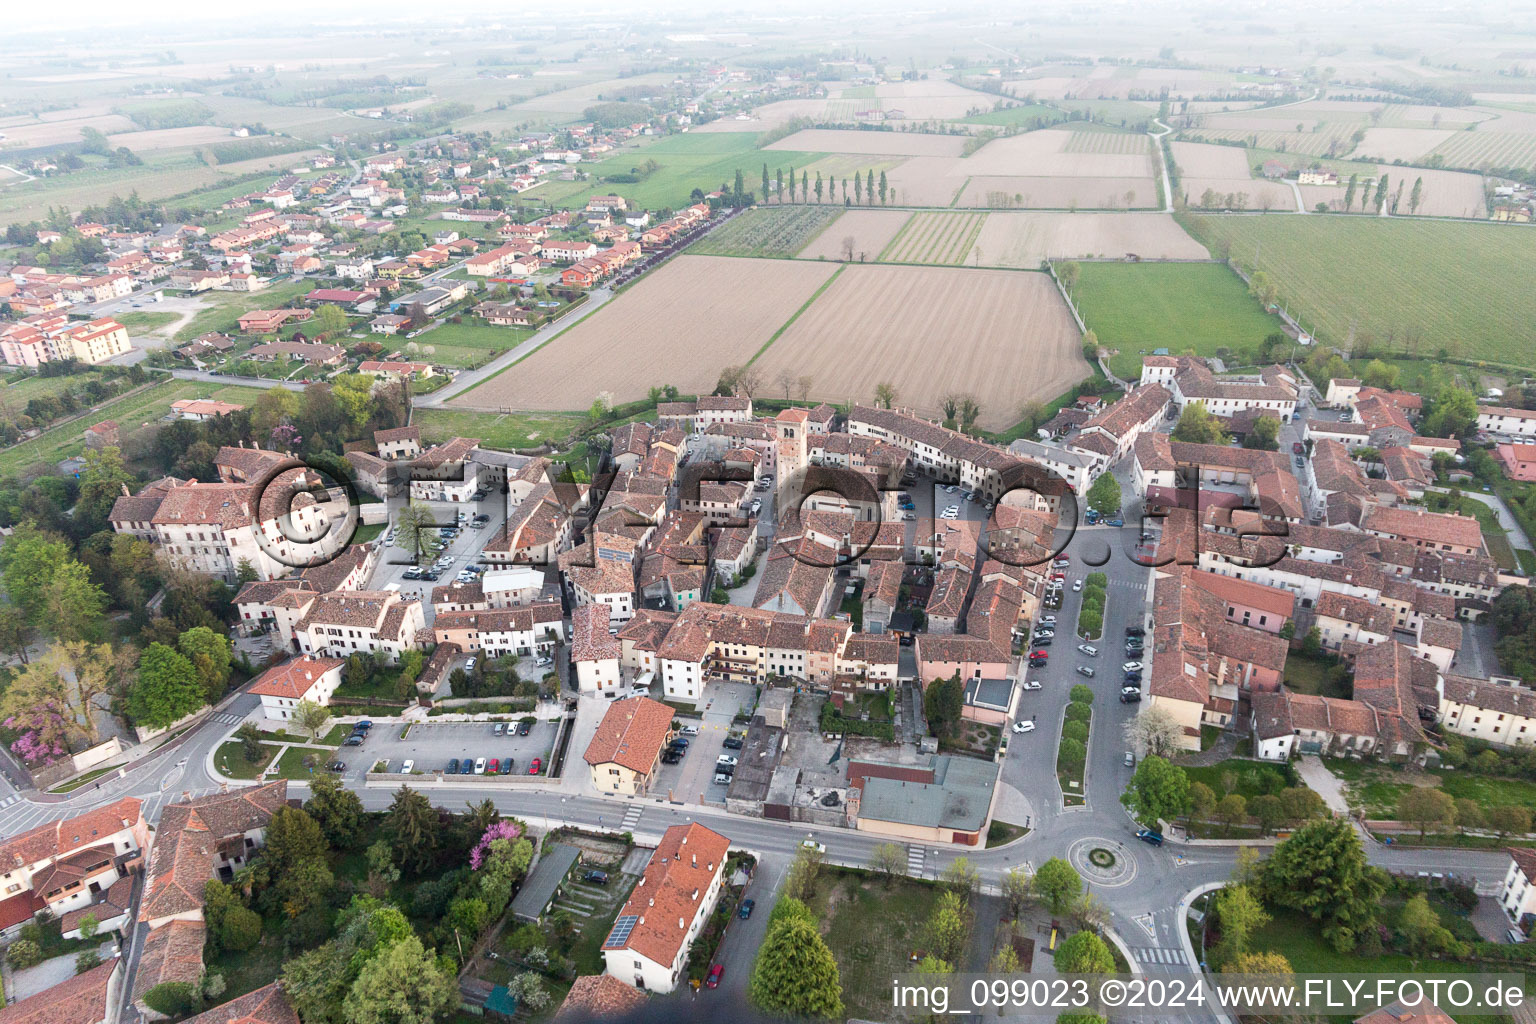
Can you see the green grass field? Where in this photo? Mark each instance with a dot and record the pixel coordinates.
(520, 430)
(1139, 307)
(15, 394)
(130, 412)
(141, 322)
(468, 344)
(1440, 284)
(1025, 114)
(687, 162)
(767, 231)
(872, 931)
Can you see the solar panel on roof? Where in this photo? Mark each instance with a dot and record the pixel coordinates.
(622, 926)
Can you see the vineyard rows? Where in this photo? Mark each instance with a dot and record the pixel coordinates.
(1488, 149)
(943, 239)
(1118, 143)
(767, 231)
(1308, 143)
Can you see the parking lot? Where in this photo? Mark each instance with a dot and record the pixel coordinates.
(693, 778)
(431, 745)
(464, 549)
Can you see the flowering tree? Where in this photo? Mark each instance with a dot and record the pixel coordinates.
(284, 437)
(508, 830)
(44, 734)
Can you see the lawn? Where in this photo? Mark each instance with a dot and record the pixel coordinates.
(689, 161)
(468, 344)
(291, 765)
(130, 411)
(1376, 788)
(137, 322)
(515, 430)
(1139, 307)
(1316, 676)
(1398, 283)
(873, 931)
(230, 760)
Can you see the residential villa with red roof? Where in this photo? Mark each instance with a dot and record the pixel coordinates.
(667, 909)
(1518, 460)
(89, 998)
(626, 749)
(281, 687)
(66, 865)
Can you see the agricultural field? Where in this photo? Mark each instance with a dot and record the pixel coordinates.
(1406, 144)
(1488, 149)
(1057, 153)
(1057, 193)
(1329, 139)
(864, 233)
(1138, 307)
(1019, 239)
(1001, 336)
(932, 99)
(1224, 170)
(926, 181)
(943, 239)
(1445, 193)
(1108, 142)
(1456, 286)
(1022, 114)
(767, 232)
(687, 162)
(130, 411)
(679, 325)
(497, 430)
(815, 140)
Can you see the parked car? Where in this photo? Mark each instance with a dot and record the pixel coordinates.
(1036, 662)
(500, 726)
(1130, 698)
(355, 740)
(1130, 689)
(1114, 522)
(1135, 631)
(715, 974)
(1023, 726)
(726, 759)
(679, 742)
(467, 766)
(1132, 666)
(1043, 641)
(732, 743)
(1047, 620)
(689, 730)
(1089, 649)
(524, 728)
(1077, 585)
(1085, 670)
(1133, 677)
(337, 766)
(595, 877)
(407, 767)
(813, 845)
(1130, 759)
(671, 756)
(1042, 655)
(493, 767)
(506, 766)
(453, 766)
(1033, 684)
(469, 666)
(722, 778)
(1297, 447)
(479, 766)
(746, 908)
(535, 766)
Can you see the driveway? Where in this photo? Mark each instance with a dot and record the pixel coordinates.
(1323, 782)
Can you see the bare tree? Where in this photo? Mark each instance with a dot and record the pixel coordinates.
(749, 381)
(787, 381)
(847, 245)
(970, 411)
(804, 384)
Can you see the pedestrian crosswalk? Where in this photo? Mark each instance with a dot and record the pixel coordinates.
(1131, 584)
(225, 718)
(916, 855)
(1148, 955)
(9, 800)
(631, 818)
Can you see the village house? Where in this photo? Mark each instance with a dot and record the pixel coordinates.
(71, 865)
(624, 754)
(282, 687)
(372, 621)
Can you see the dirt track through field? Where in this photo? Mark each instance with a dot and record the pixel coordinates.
(680, 325)
(1004, 337)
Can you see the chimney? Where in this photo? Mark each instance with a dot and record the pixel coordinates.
(652, 902)
(680, 925)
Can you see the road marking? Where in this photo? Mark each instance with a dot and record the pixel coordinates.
(1145, 920)
(1159, 955)
(225, 718)
(916, 856)
(631, 818)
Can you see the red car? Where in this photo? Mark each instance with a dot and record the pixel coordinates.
(1043, 655)
(715, 974)
(1297, 447)
(494, 768)
(535, 765)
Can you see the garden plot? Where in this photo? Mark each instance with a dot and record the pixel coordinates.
(870, 231)
(1004, 337)
(1015, 239)
(817, 140)
(678, 325)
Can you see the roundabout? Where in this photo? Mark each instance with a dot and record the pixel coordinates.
(1105, 863)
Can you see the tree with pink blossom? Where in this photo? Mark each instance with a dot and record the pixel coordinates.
(44, 734)
(508, 830)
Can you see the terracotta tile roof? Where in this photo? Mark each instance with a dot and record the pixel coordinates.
(81, 999)
(1245, 592)
(1139, 406)
(113, 903)
(671, 892)
(266, 1005)
(1365, 614)
(381, 437)
(173, 952)
(590, 640)
(648, 630)
(364, 609)
(60, 838)
(1418, 525)
(631, 734)
(1441, 633)
(186, 841)
(1334, 470)
(1525, 860)
(293, 678)
(1505, 698)
(596, 996)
